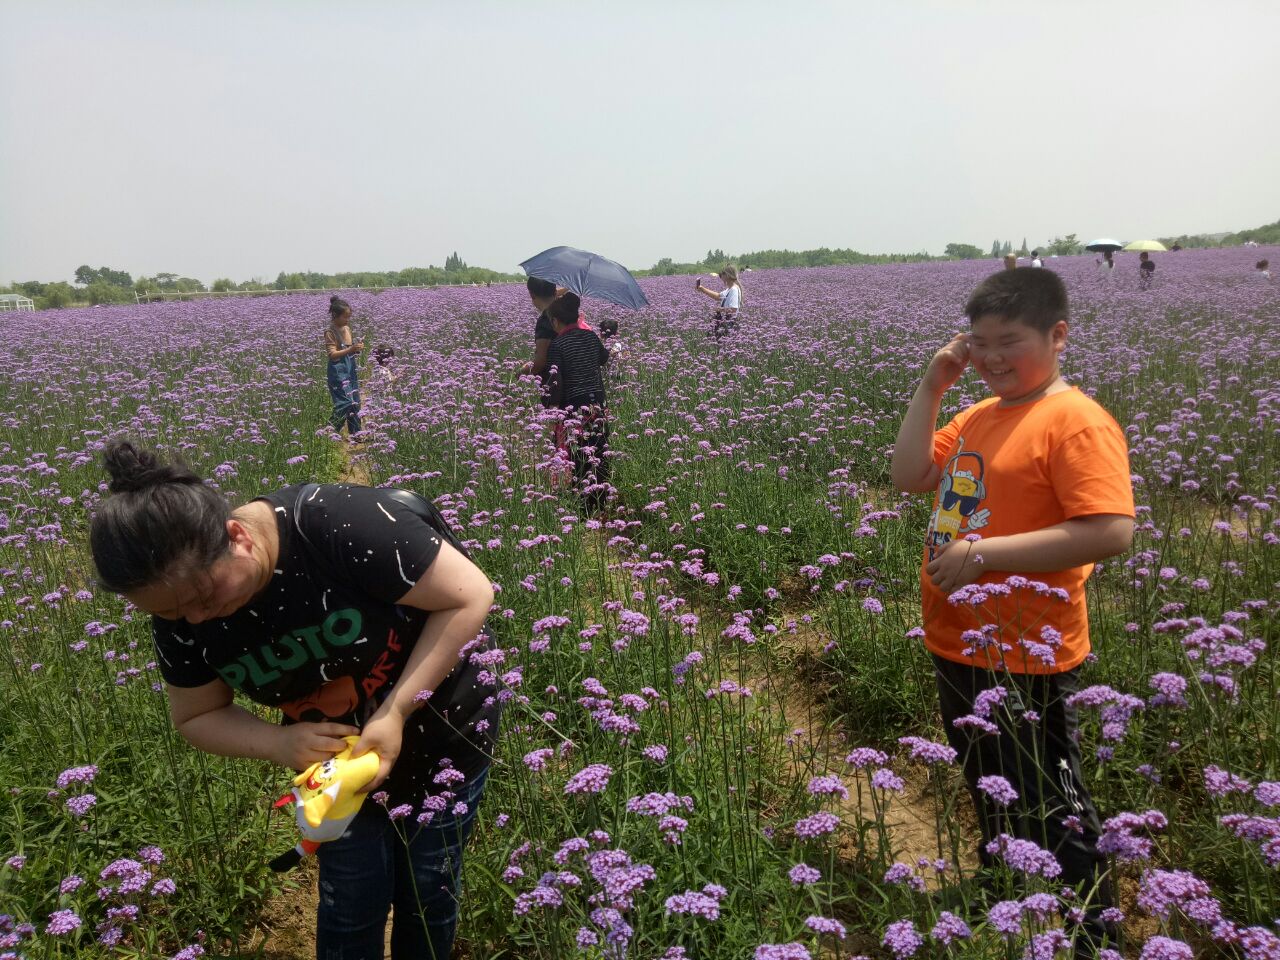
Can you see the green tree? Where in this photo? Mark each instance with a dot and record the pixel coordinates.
(1007, 248)
(1022, 250)
(56, 296)
(963, 251)
(102, 292)
(222, 285)
(86, 275)
(1064, 246)
(995, 249)
(1268, 234)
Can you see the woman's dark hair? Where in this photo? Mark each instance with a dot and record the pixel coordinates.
(383, 352)
(1262, 264)
(565, 308)
(160, 520)
(337, 306)
(608, 327)
(542, 289)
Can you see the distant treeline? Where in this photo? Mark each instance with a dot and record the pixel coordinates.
(773, 259)
(1270, 233)
(105, 285)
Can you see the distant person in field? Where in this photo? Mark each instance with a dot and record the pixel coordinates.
(344, 381)
(1263, 268)
(384, 370)
(1146, 270)
(352, 611)
(1036, 259)
(1030, 484)
(1106, 265)
(575, 384)
(609, 336)
(1011, 261)
(729, 301)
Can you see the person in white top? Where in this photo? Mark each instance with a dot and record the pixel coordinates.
(1105, 265)
(1264, 269)
(1036, 259)
(728, 301)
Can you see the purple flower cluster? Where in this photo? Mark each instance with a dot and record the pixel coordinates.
(1123, 835)
(590, 779)
(817, 825)
(704, 903)
(1025, 856)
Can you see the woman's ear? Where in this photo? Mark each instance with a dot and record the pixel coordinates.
(239, 534)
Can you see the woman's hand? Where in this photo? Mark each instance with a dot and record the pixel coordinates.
(955, 565)
(299, 745)
(947, 364)
(383, 734)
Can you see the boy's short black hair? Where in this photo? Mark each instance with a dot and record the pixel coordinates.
(609, 326)
(542, 289)
(1036, 297)
(564, 309)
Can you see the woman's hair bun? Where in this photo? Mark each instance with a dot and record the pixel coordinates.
(133, 469)
(334, 298)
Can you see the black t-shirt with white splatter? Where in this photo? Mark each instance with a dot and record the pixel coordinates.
(326, 639)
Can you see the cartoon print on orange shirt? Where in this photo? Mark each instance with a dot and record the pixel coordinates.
(960, 491)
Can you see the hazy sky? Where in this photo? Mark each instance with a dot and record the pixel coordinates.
(244, 138)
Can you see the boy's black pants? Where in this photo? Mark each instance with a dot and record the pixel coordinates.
(1040, 758)
(591, 440)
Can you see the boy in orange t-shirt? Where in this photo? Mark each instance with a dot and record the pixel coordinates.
(1033, 480)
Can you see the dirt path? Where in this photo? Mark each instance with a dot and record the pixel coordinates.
(819, 747)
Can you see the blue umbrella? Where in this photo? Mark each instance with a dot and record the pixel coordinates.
(587, 275)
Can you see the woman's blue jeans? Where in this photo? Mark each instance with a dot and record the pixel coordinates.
(369, 869)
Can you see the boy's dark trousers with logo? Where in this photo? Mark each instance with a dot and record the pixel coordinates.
(1037, 752)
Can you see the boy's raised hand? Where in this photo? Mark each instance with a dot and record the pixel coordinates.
(947, 364)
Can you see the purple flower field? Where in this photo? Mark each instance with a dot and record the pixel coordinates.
(721, 735)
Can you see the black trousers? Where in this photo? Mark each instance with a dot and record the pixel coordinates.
(587, 445)
(1039, 757)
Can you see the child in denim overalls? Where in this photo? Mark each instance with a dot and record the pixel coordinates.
(344, 382)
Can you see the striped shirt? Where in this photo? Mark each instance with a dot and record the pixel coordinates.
(575, 358)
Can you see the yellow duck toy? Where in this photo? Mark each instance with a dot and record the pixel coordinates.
(326, 796)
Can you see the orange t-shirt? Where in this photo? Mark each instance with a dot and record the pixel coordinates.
(1008, 470)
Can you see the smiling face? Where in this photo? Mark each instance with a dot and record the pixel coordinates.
(217, 591)
(1015, 360)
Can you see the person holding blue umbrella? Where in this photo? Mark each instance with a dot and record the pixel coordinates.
(557, 269)
(588, 275)
(541, 293)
